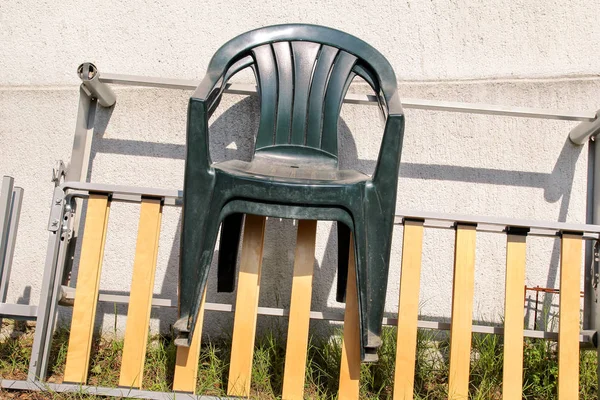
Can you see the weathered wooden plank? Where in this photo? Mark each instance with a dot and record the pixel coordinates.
(140, 300)
(186, 362)
(568, 321)
(408, 310)
(462, 312)
(86, 293)
(350, 366)
(299, 320)
(512, 382)
(246, 304)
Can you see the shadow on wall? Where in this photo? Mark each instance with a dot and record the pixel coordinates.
(238, 125)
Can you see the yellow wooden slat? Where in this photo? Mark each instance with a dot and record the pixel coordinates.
(186, 362)
(140, 300)
(246, 304)
(568, 321)
(512, 383)
(297, 339)
(408, 310)
(86, 292)
(350, 366)
(462, 312)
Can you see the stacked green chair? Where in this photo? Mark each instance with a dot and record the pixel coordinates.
(302, 74)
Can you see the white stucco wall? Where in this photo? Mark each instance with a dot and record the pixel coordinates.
(527, 53)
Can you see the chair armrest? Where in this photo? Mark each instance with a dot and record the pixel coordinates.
(197, 149)
(394, 105)
(212, 86)
(388, 161)
(209, 91)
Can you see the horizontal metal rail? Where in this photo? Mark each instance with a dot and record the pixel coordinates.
(434, 105)
(69, 296)
(100, 391)
(18, 311)
(432, 219)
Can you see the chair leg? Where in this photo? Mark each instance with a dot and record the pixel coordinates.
(372, 241)
(343, 234)
(198, 239)
(229, 244)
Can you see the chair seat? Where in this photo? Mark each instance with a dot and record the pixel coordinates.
(264, 169)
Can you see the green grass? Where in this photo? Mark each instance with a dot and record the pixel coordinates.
(322, 370)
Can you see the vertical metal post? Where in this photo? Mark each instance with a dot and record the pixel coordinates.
(589, 298)
(53, 297)
(593, 264)
(79, 163)
(6, 195)
(15, 213)
(59, 256)
(44, 317)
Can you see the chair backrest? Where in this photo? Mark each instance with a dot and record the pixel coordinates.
(303, 73)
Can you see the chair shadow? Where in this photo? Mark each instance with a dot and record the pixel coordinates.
(237, 125)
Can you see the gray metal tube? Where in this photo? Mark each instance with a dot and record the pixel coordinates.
(6, 195)
(589, 289)
(585, 130)
(89, 75)
(44, 317)
(594, 265)
(356, 98)
(15, 213)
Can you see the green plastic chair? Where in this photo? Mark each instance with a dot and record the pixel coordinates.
(302, 74)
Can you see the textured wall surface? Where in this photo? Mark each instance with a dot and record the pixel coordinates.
(525, 53)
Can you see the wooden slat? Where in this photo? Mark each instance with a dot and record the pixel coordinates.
(140, 300)
(462, 312)
(186, 362)
(350, 366)
(408, 310)
(297, 339)
(86, 293)
(512, 382)
(568, 321)
(246, 304)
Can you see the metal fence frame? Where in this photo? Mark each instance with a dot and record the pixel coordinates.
(71, 188)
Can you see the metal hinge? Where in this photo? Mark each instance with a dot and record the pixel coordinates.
(56, 210)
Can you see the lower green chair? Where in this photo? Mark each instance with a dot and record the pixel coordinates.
(303, 73)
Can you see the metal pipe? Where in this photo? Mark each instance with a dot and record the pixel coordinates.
(436, 105)
(589, 300)
(59, 256)
(89, 75)
(80, 162)
(586, 130)
(15, 213)
(44, 317)
(595, 212)
(6, 196)
(85, 391)
(18, 311)
(55, 291)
